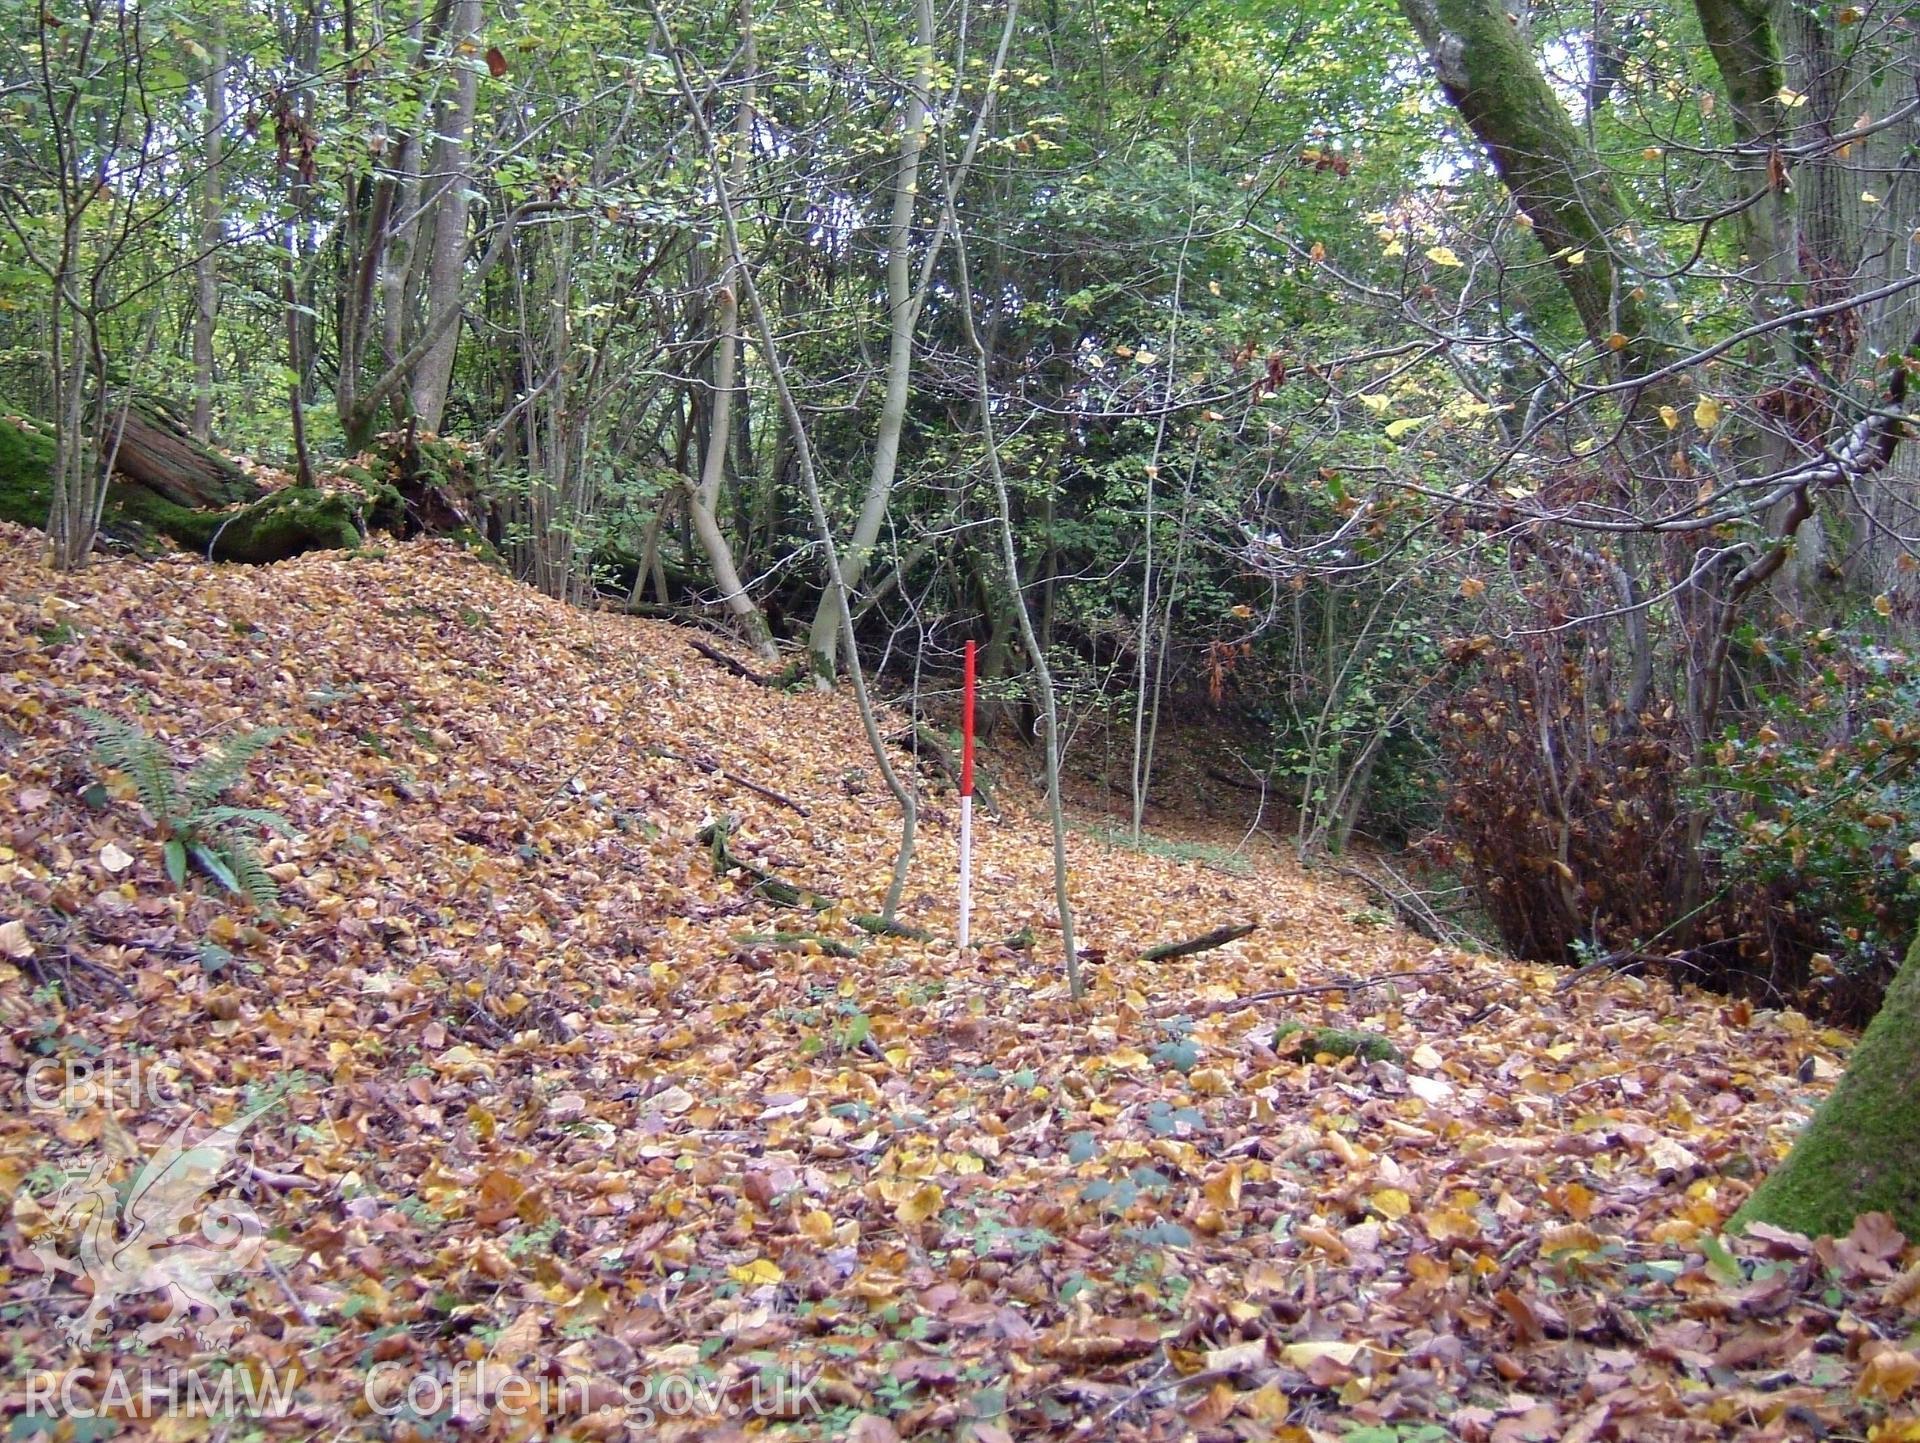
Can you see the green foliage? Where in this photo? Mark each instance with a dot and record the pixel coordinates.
(1822, 796)
(197, 830)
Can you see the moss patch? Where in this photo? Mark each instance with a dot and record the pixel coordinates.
(26, 470)
(1861, 1152)
(1299, 1039)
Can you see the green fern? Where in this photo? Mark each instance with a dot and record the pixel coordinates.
(252, 816)
(198, 835)
(251, 872)
(220, 769)
(126, 748)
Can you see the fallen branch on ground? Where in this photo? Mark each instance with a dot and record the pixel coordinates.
(725, 859)
(921, 737)
(1345, 984)
(886, 927)
(1235, 782)
(1205, 942)
(713, 768)
(721, 659)
(796, 941)
(1620, 962)
(1408, 902)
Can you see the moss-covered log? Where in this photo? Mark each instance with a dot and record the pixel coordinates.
(267, 527)
(157, 450)
(1861, 1152)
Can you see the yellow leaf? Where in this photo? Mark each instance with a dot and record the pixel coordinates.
(1266, 1404)
(1883, 604)
(919, 1205)
(1391, 1203)
(1472, 587)
(1299, 1355)
(1443, 256)
(14, 940)
(1397, 429)
(1578, 258)
(1223, 1188)
(1616, 342)
(1670, 416)
(756, 1273)
(1706, 413)
(1453, 1225)
(817, 1227)
(1576, 1200)
(180, 1427)
(1890, 1374)
(462, 1061)
(1790, 98)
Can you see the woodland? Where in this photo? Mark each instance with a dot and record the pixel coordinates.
(493, 504)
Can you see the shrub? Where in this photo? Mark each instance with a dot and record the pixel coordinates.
(1820, 803)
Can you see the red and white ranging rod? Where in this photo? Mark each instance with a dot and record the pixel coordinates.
(966, 800)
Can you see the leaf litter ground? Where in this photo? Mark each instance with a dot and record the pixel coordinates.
(578, 1137)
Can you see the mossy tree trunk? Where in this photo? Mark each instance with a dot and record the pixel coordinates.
(1861, 1152)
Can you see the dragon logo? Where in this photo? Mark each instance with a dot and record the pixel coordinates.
(132, 1246)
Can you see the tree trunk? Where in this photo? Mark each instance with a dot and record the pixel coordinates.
(446, 267)
(905, 306)
(206, 265)
(1579, 215)
(704, 497)
(903, 309)
(1861, 1152)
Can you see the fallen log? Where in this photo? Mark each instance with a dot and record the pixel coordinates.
(1304, 1041)
(1227, 779)
(1345, 985)
(1205, 942)
(157, 450)
(252, 524)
